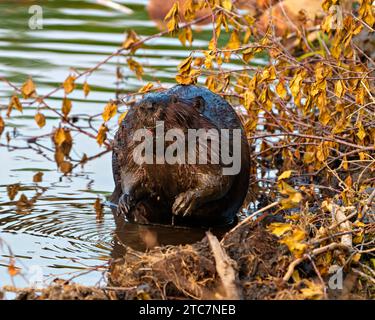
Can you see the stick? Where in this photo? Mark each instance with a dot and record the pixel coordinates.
(340, 217)
(249, 219)
(224, 267)
(313, 253)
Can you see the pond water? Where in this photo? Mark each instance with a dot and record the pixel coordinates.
(59, 235)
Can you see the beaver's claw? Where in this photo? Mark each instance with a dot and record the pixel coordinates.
(185, 204)
(125, 204)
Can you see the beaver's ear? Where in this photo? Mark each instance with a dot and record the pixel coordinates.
(174, 98)
(199, 103)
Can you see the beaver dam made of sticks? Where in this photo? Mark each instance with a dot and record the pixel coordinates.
(248, 263)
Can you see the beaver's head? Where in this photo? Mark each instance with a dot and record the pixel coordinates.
(173, 110)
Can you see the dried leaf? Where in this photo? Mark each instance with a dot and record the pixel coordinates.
(12, 190)
(12, 269)
(146, 88)
(28, 88)
(86, 89)
(136, 67)
(285, 175)
(15, 103)
(295, 242)
(278, 228)
(185, 65)
(234, 41)
(102, 134)
(313, 290)
(59, 136)
(40, 120)
(66, 167)
(110, 111)
(66, 107)
(2, 126)
(226, 4)
(98, 209)
(69, 84)
(122, 117)
(294, 197)
(38, 177)
(172, 18)
(361, 134)
(340, 88)
(130, 40)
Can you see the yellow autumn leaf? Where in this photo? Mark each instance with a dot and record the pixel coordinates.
(269, 74)
(190, 78)
(296, 277)
(248, 54)
(146, 88)
(130, 40)
(28, 88)
(361, 134)
(309, 157)
(312, 291)
(102, 134)
(294, 197)
(296, 82)
(285, 175)
(292, 201)
(226, 4)
(209, 57)
(2, 125)
(185, 65)
(110, 111)
(40, 120)
(12, 269)
(184, 79)
(234, 41)
(66, 107)
(339, 88)
(366, 12)
(69, 84)
(348, 181)
(172, 18)
(278, 228)
(136, 67)
(186, 34)
(86, 89)
(281, 90)
(122, 117)
(249, 98)
(15, 103)
(59, 136)
(295, 242)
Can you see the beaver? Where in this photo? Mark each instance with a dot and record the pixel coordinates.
(180, 193)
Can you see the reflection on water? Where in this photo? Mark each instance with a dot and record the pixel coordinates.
(48, 219)
(144, 237)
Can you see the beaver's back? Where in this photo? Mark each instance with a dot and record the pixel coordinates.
(216, 108)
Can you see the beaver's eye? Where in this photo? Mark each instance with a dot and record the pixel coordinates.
(199, 103)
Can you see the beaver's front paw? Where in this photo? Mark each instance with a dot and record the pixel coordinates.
(185, 204)
(125, 204)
